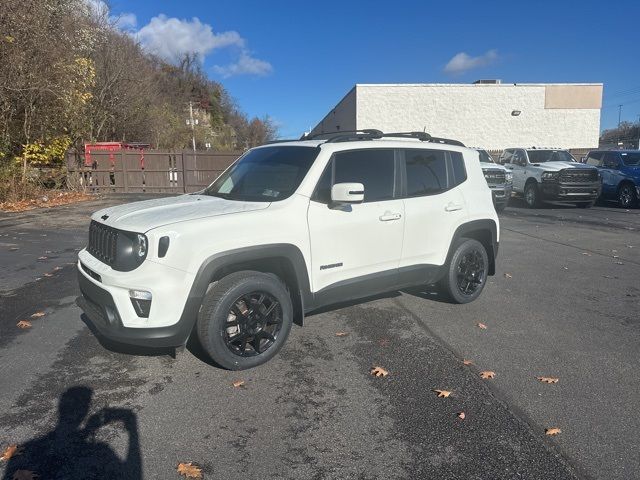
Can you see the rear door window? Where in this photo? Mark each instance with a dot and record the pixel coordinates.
(426, 172)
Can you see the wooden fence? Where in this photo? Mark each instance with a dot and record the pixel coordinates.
(150, 171)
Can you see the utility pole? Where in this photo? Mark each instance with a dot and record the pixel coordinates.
(619, 114)
(193, 123)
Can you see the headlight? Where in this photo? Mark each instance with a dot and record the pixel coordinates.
(140, 249)
(549, 175)
(508, 176)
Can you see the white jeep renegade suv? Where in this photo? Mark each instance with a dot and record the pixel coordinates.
(288, 228)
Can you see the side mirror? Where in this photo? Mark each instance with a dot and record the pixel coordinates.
(347, 193)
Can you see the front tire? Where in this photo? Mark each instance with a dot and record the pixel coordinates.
(626, 196)
(532, 195)
(245, 319)
(466, 272)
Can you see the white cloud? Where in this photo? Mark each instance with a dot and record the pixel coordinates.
(170, 38)
(462, 62)
(246, 65)
(126, 21)
(100, 9)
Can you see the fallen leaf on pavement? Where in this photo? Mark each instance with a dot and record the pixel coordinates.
(189, 470)
(548, 379)
(342, 334)
(48, 275)
(552, 431)
(443, 393)
(467, 362)
(238, 383)
(24, 324)
(379, 372)
(508, 275)
(461, 416)
(487, 374)
(11, 451)
(25, 475)
(42, 258)
(57, 268)
(481, 325)
(38, 315)
(383, 342)
(565, 267)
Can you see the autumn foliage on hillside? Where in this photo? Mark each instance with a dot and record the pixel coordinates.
(69, 76)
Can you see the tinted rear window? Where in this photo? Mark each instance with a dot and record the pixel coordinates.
(426, 172)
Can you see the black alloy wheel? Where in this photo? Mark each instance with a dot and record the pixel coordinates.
(253, 324)
(245, 319)
(467, 271)
(471, 272)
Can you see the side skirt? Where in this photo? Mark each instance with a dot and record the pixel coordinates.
(375, 284)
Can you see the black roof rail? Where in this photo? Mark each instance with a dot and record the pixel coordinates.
(282, 141)
(424, 137)
(347, 135)
(446, 141)
(371, 134)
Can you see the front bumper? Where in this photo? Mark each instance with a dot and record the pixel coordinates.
(501, 193)
(104, 318)
(571, 192)
(111, 314)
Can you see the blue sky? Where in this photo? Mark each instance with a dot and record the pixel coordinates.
(290, 61)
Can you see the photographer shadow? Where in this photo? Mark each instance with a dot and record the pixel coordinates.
(72, 451)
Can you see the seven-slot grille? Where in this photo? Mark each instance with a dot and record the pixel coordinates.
(103, 242)
(494, 177)
(578, 175)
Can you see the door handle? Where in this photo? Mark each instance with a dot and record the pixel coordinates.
(388, 216)
(452, 207)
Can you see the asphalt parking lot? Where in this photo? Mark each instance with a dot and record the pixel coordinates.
(564, 304)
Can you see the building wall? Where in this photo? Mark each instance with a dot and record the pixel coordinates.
(342, 117)
(562, 116)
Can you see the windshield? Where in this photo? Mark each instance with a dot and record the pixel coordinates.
(264, 174)
(631, 158)
(485, 157)
(541, 156)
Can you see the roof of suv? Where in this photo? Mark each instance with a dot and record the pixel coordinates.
(389, 142)
(371, 135)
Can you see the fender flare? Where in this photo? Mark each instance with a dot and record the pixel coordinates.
(214, 264)
(475, 226)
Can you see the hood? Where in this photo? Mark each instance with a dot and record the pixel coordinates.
(143, 216)
(556, 166)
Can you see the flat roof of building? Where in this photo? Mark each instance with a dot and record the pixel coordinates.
(475, 85)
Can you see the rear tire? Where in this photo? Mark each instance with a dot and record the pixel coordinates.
(627, 196)
(466, 272)
(532, 195)
(245, 319)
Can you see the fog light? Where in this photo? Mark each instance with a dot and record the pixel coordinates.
(141, 301)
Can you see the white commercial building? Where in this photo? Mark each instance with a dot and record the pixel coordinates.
(489, 115)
